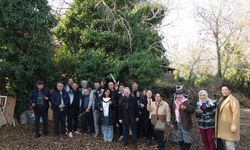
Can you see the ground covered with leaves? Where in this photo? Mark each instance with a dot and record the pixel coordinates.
(21, 138)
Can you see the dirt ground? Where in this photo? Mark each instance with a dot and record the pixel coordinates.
(21, 138)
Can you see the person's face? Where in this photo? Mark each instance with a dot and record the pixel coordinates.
(74, 86)
(84, 85)
(107, 93)
(158, 97)
(102, 83)
(225, 91)
(96, 85)
(111, 85)
(126, 92)
(134, 86)
(86, 92)
(121, 89)
(179, 96)
(70, 81)
(202, 96)
(149, 94)
(40, 86)
(59, 86)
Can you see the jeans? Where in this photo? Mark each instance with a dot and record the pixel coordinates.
(107, 133)
(38, 114)
(72, 120)
(96, 115)
(182, 135)
(59, 122)
(207, 138)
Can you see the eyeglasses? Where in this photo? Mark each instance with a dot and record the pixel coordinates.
(202, 95)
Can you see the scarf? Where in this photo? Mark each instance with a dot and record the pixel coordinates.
(177, 108)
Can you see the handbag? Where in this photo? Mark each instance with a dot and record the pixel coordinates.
(160, 125)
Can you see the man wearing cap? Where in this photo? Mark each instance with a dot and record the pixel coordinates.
(39, 101)
(181, 120)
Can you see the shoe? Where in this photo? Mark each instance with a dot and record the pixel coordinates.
(77, 132)
(121, 137)
(148, 142)
(70, 134)
(37, 136)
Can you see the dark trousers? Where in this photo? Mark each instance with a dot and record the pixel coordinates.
(59, 122)
(72, 120)
(87, 122)
(147, 128)
(160, 138)
(220, 144)
(120, 129)
(38, 115)
(126, 132)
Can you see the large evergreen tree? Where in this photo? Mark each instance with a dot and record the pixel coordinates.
(113, 36)
(26, 50)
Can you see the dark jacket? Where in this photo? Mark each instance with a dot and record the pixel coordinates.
(185, 115)
(84, 102)
(56, 100)
(144, 112)
(34, 97)
(112, 111)
(75, 105)
(128, 109)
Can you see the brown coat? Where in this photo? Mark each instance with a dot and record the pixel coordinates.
(163, 112)
(185, 115)
(226, 118)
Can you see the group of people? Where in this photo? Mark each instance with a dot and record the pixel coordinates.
(124, 111)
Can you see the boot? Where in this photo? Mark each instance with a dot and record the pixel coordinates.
(181, 143)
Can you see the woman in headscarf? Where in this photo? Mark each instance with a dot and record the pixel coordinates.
(205, 113)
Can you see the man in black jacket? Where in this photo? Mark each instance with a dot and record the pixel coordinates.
(128, 116)
(74, 109)
(39, 100)
(60, 104)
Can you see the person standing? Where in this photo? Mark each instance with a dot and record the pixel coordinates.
(60, 103)
(147, 127)
(181, 120)
(87, 124)
(129, 116)
(107, 110)
(39, 100)
(205, 113)
(227, 123)
(74, 109)
(94, 102)
(160, 113)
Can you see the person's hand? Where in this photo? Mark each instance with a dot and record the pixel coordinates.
(199, 111)
(46, 98)
(141, 105)
(33, 104)
(233, 129)
(101, 109)
(61, 106)
(120, 121)
(110, 102)
(137, 119)
(183, 107)
(87, 110)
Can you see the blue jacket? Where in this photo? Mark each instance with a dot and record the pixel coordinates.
(56, 100)
(33, 99)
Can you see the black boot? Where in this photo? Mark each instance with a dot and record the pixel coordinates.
(181, 143)
(187, 146)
